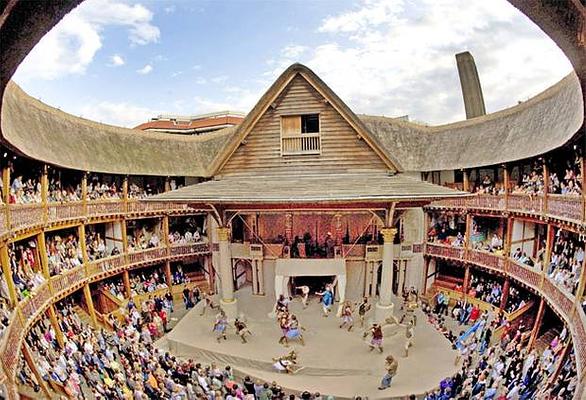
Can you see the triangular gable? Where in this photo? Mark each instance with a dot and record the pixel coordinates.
(268, 100)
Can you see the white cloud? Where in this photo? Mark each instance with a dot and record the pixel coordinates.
(237, 98)
(219, 79)
(293, 51)
(116, 60)
(147, 69)
(394, 57)
(201, 80)
(119, 114)
(70, 47)
(170, 9)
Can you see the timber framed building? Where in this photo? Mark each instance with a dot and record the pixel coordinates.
(302, 186)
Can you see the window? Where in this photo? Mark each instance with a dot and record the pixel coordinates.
(300, 134)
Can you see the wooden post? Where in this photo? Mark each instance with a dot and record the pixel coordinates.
(6, 184)
(466, 283)
(561, 362)
(7, 271)
(87, 294)
(506, 185)
(124, 236)
(167, 184)
(466, 180)
(425, 273)
(509, 237)
(126, 282)
(166, 231)
(45, 191)
(468, 233)
(582, 171)
(545, 185)
(84, 198)
(82, 244)
(29, 359)
(125, 192)
(505, 294)
(56, 326)
(168, 276)
(44, 258)
(537, 324)
(6, 194)
(548, 247)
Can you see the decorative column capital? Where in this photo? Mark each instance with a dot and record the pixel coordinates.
(223, 234)
(388, 234)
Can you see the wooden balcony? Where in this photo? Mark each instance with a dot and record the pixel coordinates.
(568, 208)
(305, 143)
(443, 251)
(485, 259)
(525, 274)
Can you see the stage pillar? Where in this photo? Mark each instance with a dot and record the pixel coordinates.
(384, 307)
(227, 300)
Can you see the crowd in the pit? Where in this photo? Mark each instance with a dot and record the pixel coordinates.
(567, 256)
(500, 369)
(124, 363)
(63, 253)
(143, 282)
(25, 267)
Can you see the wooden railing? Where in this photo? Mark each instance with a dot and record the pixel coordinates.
(444, 251)
(305, 143)
(21, 216)
(28, 310)
(565, 207)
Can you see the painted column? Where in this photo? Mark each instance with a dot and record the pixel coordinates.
(505, 294)
(168, 276)
(384, 307)
(45, 191)
(126, 282)
(254, 276)
(466, 283)
(227, 300)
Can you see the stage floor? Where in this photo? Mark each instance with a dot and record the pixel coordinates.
(336, 362)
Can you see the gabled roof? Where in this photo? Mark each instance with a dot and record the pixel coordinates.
(273, 93)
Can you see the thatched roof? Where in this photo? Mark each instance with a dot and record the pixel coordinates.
(534, 127)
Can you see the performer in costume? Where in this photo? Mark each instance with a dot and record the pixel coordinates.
(409, 336)
(304, 294)
(327, 299)
(363, 308)
(347, 316)
(220, 326)
(208, 302)
(287, 363)
(241, 329)
(377, 338)
(284, 325)
(294, 330)
(391, 366)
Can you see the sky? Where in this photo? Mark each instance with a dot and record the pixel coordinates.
(123, 62)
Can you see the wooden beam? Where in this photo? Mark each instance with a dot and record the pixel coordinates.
(87, 294)
(55, 323)
(537, 324)
(43, 257)
(126, 282)
(7, 271)
(30, 360)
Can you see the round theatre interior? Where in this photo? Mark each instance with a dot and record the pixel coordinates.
(98, 224)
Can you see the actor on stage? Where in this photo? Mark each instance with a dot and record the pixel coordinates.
(294, 331)
(391, 365)
(363, 308)
(327, 299)
(208, 302)
(304, 295)
(220, 326)
(241, 329)
(347, 319)
(377, 338)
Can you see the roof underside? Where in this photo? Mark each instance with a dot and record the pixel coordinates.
(309, 189)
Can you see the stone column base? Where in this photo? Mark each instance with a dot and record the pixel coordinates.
(230, 308)
(382, 312)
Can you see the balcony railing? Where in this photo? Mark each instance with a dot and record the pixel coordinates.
(488, 260)
(525, 274)
(440, 250)
(31, 215)
(306, 143)
(569, 208)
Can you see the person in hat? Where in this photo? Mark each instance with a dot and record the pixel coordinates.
(391, 366)
(377, 338)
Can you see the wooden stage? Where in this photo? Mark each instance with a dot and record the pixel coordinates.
(336, 362)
